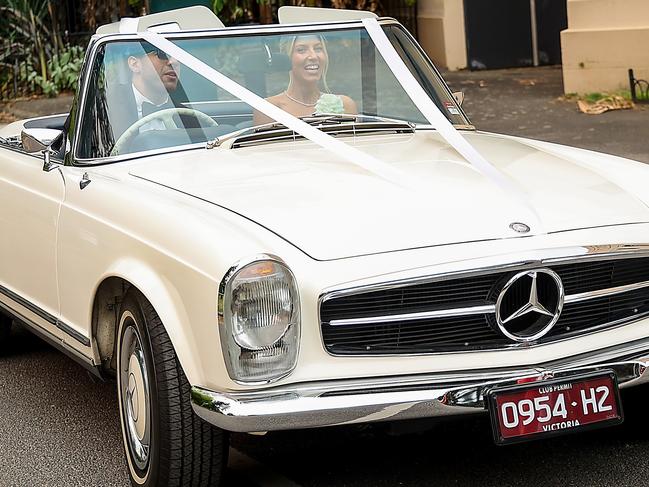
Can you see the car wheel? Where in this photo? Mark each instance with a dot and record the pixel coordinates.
(164, 441)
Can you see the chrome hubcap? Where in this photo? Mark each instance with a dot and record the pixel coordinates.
(135, 404)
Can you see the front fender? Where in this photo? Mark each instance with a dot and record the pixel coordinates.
(166, 299)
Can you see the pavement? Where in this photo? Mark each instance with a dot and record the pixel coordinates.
(529, 102)
(60, 428)
(525, 101)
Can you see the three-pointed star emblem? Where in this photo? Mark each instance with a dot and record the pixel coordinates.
(533, 304)
(529, 304)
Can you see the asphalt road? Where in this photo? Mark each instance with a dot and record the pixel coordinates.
(529, 102)
(60, 428)
(57, 426)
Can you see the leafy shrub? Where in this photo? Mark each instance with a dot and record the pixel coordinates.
(63, 71)
(64, 68)
(33, 57)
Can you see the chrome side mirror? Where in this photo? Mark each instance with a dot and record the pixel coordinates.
(459, 97)
(36, 140)
(45, 141)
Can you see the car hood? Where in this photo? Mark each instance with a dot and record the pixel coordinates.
(332, 209)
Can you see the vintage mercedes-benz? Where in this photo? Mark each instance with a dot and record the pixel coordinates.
(294, 226)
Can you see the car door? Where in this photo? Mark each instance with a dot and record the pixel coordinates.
(30, 200)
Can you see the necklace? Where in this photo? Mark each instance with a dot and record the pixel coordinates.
(301, 102)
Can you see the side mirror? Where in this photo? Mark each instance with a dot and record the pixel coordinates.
(36, 140)
(459, 97)
(48, 142)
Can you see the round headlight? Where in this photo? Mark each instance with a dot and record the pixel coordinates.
(261, 304)
(259, 310)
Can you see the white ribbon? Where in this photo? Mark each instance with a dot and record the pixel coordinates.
(128, 25)
(416, 93)
(324, 140)
(438, 121)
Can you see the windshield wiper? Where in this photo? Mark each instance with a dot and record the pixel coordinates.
(327, 122)
(344, 117)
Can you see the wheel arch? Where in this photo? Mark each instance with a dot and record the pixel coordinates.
(164, 298)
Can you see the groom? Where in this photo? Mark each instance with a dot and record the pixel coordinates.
(155, 77)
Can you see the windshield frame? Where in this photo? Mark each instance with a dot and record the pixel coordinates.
(98, 42)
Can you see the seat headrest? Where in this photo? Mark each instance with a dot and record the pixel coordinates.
(263, 60)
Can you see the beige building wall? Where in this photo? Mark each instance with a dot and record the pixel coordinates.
(603, 40)
(440, 28)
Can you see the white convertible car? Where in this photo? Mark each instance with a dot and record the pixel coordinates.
(305, 230)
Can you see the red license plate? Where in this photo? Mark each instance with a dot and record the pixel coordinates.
(549, 408)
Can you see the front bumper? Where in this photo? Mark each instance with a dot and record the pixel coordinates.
(311, 405)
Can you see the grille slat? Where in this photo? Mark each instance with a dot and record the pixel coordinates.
(393, 330)
(454, 293)
(443, 298)
(475, 332)
(459, 298)
(414, 334)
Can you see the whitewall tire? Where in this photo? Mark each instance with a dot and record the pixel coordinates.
(165, 443)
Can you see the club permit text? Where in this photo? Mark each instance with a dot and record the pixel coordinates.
(554, 388)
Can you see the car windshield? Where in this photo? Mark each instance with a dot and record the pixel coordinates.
(139, 98)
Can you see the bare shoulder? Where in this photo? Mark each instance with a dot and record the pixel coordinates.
(348, 104)
(277, 100)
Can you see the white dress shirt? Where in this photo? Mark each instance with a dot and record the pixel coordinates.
(139, 99)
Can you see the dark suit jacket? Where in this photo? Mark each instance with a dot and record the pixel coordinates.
(122, 110)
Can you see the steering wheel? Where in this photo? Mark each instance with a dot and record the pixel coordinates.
(167, 118)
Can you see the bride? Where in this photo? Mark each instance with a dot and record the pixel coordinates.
(307, 92)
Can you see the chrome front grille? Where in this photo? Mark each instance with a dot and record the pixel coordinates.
(456, 314)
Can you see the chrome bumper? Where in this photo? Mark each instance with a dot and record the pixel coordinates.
(311, 405)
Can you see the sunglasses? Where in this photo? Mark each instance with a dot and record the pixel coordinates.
(160, 54)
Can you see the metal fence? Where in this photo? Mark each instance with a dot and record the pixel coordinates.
(403, 12)
(639, 88)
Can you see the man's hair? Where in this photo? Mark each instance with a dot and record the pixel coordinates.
(139, 49)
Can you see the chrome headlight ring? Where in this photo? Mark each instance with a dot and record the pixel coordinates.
(259, 319)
